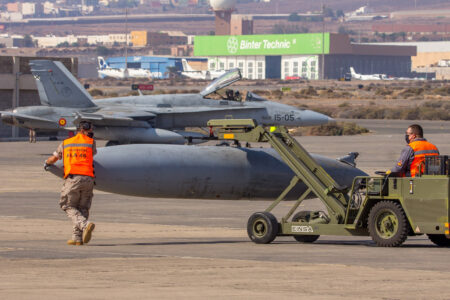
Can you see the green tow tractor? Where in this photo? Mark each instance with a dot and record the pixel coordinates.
(389, 209)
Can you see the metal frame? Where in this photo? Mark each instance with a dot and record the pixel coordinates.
(347, 207)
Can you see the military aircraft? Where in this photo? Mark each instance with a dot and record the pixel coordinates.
(145, 118)
(203, 172)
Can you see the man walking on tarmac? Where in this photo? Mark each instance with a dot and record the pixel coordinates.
(413, 155)
(77, 154)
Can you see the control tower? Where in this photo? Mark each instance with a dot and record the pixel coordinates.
(223, 10)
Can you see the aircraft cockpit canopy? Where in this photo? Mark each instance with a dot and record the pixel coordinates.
(223, 81)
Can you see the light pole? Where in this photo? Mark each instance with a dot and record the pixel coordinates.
(125, 71)
(322, 66)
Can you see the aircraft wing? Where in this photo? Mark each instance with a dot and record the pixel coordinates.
(199, 109)
(27, 121)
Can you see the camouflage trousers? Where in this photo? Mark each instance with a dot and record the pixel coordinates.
(76, 199)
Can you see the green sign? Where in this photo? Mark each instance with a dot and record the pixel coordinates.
(271, 44)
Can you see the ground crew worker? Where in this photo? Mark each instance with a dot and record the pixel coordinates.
(76, 195)
(413, 155)
(32, 135)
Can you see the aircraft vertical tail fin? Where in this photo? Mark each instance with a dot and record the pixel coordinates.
(186, 66)
(57, 86)
(102, 64)
(352, 71)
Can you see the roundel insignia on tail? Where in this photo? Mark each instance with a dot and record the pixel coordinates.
(62, 122)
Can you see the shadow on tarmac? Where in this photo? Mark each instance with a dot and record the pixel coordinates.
(170, 243)
(318, 243)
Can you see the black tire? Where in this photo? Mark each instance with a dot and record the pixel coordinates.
(439, 239)
(388, 225)
(262, 227)
(302, 215)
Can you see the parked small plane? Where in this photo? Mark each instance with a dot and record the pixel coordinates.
(367, 77)
(105, 70)
(146, 118)
(188, 71)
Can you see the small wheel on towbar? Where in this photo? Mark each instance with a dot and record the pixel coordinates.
(262, 227)
(439, 240)
(388, 225)
(298, 217)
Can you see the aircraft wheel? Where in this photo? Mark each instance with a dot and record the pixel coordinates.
(111, 143)
(262, 227)
(299, 217)
(439, 239)
(388, 225)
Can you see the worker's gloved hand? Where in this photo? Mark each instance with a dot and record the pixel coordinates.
(46, 166)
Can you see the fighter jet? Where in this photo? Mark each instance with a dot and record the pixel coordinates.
(146, 118)
(203, 172)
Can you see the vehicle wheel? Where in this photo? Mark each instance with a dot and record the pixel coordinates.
(303, 215)
(262, 227)
(439, 239)
(111, 143)
(388, 225)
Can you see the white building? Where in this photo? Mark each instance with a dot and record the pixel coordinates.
(49, 8)
(97, 39)
(53, 41)
(120, 38)
(11, 16)
(28, 9)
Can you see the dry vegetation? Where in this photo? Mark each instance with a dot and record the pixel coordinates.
(339, 128)
(409, 100)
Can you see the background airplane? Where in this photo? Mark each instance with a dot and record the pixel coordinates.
(367, 77)
(144, 119)
(188, 71)
(104, 70)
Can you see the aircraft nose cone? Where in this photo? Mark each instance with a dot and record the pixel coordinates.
(312, 118)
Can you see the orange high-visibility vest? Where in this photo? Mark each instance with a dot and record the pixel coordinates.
(78, 156)
(421, 149)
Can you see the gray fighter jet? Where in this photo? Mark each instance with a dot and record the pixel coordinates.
(145, 119)
(203, 172)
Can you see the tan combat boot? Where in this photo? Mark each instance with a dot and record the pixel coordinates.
(87, 233)
(74, 243)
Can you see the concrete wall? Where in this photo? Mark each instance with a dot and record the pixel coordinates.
(18, 86)
(425, 59)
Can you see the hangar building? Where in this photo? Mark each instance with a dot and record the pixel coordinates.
(308, 55)
(157, 65)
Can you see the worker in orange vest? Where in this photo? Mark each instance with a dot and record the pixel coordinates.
(413, 155)
(77, 154)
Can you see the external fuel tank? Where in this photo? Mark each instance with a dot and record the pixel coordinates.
(201, 172)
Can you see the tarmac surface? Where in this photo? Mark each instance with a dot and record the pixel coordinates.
(197, 249)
